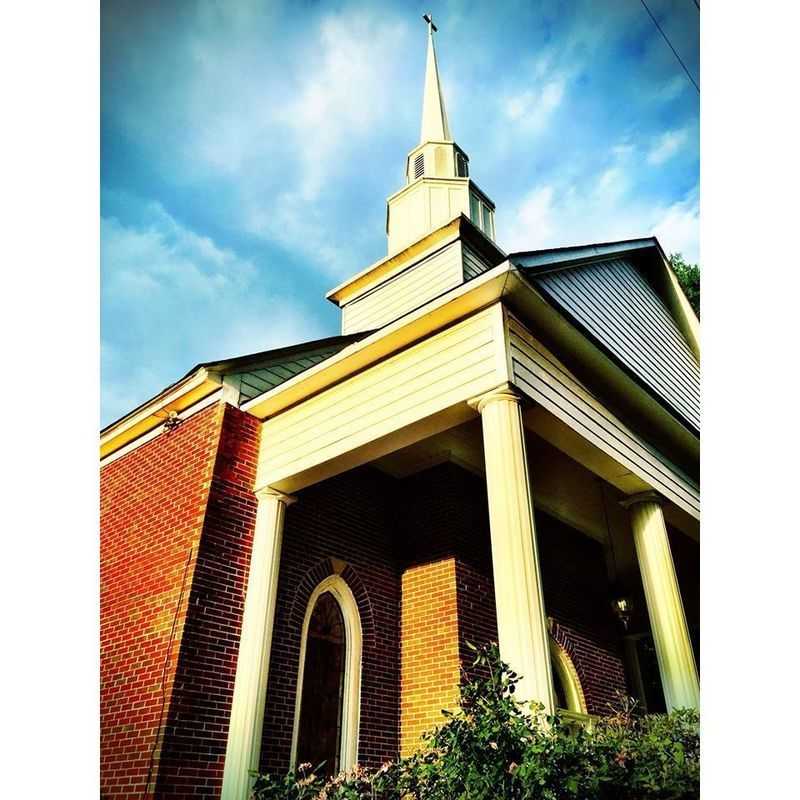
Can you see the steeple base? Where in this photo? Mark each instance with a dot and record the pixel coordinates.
(428, 203)
(399, 283)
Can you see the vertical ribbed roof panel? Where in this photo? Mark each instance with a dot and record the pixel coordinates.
(613, 302)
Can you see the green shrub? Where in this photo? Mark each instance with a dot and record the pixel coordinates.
(494, 747)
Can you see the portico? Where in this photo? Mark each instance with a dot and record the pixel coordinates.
(461, 360)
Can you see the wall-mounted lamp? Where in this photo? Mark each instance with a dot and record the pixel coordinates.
(622, 606)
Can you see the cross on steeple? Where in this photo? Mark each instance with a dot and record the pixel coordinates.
(434, 117)
(438, 185)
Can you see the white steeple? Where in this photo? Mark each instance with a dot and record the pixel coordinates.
(438, 187)
(434, 117)
(439, 226)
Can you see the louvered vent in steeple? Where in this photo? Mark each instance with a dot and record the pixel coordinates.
(419, 166)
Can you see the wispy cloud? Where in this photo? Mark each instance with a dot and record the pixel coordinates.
(666, 146)
(164, 256)
(172, 297)
(671, 88)
(678, 226)
(278, 121)
(342, 97)
(533, 220)
(338, 106)
(533, 107)
(563, 212)
(611, 184)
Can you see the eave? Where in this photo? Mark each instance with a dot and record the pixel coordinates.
(458, 227)
(504, 282)
(411, 327)
(386, 266)
(612, 384)
(179, 396)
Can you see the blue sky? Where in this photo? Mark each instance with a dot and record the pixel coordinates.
(248, 147)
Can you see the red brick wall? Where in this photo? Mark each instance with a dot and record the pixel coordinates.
(477, 616)
(446, 513)
(197, 726)
(350, 518)
(448, 518)
(153, 502)
(190, 489)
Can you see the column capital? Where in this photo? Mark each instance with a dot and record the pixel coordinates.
(266, 492)
(505, 392)
(642, 497)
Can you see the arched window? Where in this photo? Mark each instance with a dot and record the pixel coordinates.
(566, 684)
(329, 680)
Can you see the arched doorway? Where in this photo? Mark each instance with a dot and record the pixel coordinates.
(329, 680)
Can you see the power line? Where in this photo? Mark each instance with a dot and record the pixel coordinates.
(675, 52)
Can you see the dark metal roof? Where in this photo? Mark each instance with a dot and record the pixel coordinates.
(260, 372)
(563, 256)
(613, 303)
(271, 372)
(240, 363)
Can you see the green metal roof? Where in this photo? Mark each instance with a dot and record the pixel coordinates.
(260, 372)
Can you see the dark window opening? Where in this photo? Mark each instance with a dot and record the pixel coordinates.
(462, 168)
(319, 735)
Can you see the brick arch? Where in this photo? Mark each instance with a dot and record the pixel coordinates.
(313, 577)
(562, 638)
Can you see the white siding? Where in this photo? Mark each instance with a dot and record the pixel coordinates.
(428, 378)
(404, 292)
(543, 378)
(423, 206)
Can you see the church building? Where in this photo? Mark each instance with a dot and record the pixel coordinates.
(298, 546)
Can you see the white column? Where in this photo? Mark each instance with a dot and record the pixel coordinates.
(252, 667)
(664, 605)
(521, 624)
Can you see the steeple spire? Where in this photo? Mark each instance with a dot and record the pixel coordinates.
(434, 117)
(438, 187)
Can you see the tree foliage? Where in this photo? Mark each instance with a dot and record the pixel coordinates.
(689, 278)
(495, 747)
